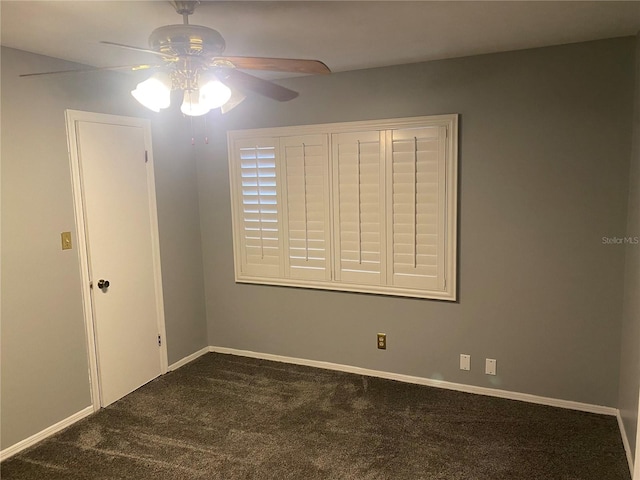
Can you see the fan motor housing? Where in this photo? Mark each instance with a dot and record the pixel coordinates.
(187, 40)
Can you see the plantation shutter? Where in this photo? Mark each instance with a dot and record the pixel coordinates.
(306, 179)
(358, 169)
(365, 207)
(259, 214)
(418, 202)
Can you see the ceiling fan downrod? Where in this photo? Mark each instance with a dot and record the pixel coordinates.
(185, 8)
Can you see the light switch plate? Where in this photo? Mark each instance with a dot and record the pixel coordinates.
(66, 240)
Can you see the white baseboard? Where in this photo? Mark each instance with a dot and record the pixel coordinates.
(47, 432)
(625, 441)
(525, 397)
(491, 392)
(188, 358)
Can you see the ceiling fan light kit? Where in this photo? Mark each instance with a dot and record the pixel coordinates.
(203, 94)
(213, 92)
(192, 61)
(193, 105)
(155, 92)
(186, 50)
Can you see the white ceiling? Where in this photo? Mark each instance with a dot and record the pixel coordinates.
(345, 35)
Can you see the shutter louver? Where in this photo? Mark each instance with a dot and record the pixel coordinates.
(261, 238)
(306, 162)
(359, 207)
(418, 193)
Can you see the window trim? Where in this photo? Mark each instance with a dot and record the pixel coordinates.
(451, 198)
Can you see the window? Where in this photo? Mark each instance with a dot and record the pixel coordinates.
(359, 206)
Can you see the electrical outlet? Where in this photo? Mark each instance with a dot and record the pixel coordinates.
(382, 341)
(465, 362)
(490, 366)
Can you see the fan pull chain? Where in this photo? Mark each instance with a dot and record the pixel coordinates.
(193, 130)
(189, 91)
(193, 133)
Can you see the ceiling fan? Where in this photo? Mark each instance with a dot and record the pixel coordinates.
(192, 61)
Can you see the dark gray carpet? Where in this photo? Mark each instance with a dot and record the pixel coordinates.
(226, 417)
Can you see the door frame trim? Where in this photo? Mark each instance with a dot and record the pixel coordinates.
(72, 118)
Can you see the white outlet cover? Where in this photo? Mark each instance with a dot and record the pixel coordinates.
(465, 362)
(490, 366)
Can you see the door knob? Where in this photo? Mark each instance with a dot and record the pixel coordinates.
(103, 284)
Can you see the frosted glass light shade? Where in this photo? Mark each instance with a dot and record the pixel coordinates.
(192, 104)
(155, 92)
(213, 93)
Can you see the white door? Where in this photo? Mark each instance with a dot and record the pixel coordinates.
(115, 173)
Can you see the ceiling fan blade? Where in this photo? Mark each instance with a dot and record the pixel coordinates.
(138, 49)
(96, 69)
(243, 81)
(278, 64)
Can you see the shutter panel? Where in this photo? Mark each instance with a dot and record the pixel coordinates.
(358, 175)
(306, 179)
(417, 235)
(258, 212)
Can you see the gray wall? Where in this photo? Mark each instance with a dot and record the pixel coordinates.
(545, 144)
(44, 357)
(179, 225)
(630, 351)
(544, 162)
